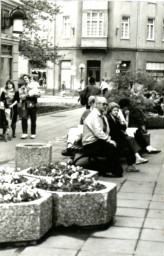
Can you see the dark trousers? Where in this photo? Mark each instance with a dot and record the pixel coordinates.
(102, 148)
(140, 139)
(126, 149)
(32, 114)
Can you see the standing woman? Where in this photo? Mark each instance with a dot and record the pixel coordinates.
(10, 97)
(29, 92)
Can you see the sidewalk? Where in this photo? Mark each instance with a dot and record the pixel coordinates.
(138, 227)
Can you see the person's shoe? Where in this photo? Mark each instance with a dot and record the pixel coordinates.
(67, 152)
(132, 168)
(33, 136)
(141, 161)
(111, 175)
(154, 151)
(24, 136)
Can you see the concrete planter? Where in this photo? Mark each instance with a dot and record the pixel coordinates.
(84, 208)
(25, 221)
(33, 154)
(92, 174)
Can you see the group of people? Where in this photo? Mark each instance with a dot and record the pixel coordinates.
(104, 132)
(21, 102)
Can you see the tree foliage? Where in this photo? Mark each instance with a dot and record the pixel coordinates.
(35, 43)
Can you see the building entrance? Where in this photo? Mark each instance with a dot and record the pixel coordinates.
(93, 69)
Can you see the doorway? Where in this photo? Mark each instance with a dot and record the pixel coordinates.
(93, 69)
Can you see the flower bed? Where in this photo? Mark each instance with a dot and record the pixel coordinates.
(154, 121)
(25, 213)
(81, 202)
(58, 170)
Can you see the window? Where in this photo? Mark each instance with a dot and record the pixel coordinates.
(125, 27)
(150, 29)
(94, 24)
(66, 27)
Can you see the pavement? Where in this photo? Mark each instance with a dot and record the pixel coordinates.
(138, 226)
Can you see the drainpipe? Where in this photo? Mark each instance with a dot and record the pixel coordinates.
(137, 35)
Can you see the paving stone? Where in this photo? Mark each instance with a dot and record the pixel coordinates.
(90, 253)
(158, 197)
(8, 252)
(63, 241)
(130, 212)
(152, 235)
(118, 232)
(132, 203)
(145, 184)
(154, 223)
(157, 205)
(145, 248)
(137, 189)
(156, 214)
(141, 197)
(104, 246)
(120, 221)
(37, 251)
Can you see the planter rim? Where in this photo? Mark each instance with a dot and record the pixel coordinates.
(106, 184)
(25, 172)
(44, 195)
(33, 145)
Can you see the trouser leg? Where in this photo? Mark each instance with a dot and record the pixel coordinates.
(33, 118)
(24, 125)
(107, 150)
(140, 139)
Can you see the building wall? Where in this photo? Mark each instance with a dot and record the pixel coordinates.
(8, 39)
(110, 49)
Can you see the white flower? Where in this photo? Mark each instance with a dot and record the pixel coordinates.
(74, 175)
(7, 197)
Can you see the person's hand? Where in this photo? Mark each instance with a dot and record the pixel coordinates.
(113, 143)
(127, 112)
(11, 106)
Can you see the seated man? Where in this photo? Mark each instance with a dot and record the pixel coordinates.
(96, 139)
(74, 135)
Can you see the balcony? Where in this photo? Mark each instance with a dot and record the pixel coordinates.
(94, 43)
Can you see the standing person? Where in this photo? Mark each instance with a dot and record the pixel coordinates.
(28, 96)
(96, 138)
(10, 98)
(63, 87)
(90, 90)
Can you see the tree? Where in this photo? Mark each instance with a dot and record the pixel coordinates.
(35, 42)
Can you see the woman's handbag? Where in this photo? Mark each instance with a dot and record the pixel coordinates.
(30, 104)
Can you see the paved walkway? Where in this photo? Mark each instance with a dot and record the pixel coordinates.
(138, 227)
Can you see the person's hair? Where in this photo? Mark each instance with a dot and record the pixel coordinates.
(29, 77)
(112, 105)
(9, 82)
(124, 102)
(91, 100)
(154, 92)
(92, 80)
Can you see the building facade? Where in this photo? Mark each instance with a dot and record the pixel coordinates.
(102, 38)
(9, 44)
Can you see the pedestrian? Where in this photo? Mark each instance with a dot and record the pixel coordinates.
(90, 90)
(63, 87)
(96, 138)
(10, 98)
(28, 97)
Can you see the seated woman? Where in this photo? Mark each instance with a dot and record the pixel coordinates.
(75, 134)
(127, 117)
(125, 143)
